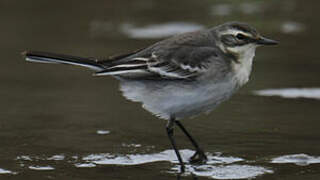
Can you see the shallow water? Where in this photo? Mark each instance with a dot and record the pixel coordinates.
(59, 122)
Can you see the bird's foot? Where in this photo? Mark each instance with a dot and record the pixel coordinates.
(182, 169)
(198, 158)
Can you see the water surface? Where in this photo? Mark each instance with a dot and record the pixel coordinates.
(59, 122)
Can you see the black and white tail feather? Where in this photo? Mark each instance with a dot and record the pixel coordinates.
(148, 65)
(45, 57)
(111, 66)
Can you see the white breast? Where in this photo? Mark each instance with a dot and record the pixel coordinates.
(242, 68)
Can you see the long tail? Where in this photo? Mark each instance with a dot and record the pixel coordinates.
(45, 57)
(117, 65)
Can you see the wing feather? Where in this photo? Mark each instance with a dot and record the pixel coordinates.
(194, 62)
(184, 56)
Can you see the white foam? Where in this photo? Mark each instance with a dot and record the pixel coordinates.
(41, 168)
(225, 171)
(4, 171)
(85, 165)
(298, 159)
(159, 30)
(103, 132)
(313, 93)
(56, 158)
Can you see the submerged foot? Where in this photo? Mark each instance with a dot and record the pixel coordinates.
(182, 168)
(198, 158)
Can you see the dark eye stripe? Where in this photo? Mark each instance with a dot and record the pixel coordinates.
(244, 39)
(235, 40)
(241, 36)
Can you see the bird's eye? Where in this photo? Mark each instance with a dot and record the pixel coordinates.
(241, 36)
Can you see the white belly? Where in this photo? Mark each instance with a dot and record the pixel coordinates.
(166, 99)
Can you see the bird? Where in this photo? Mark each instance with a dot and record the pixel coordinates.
(179, 77)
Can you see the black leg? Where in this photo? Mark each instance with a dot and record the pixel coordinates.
(199, 156)
(170, 128)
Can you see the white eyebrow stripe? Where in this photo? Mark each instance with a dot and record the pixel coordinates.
(235, 32)
(127, 65)
(140, 59)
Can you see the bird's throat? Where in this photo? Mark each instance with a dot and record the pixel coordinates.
(242, 68)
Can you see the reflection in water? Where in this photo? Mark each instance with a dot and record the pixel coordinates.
(24, 158)
(217, 166)
(180, 176)
(244, 8)
(291, 92)
(226, 172)
(221, 9)
(291, 27)
(298, 159)
(56, 158)
(152, 31)
(167, 155)
(131, 145)
(251, 7)
(159, 30)
(84, 165)
(51, 109)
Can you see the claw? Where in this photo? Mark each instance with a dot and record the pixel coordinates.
(198, 158)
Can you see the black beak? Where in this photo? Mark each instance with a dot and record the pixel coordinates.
(266, 41)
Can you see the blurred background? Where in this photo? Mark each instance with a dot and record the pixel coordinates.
(59, 122)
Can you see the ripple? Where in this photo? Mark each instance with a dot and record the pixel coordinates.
(159, 30)
(313, 93)
(298, 159)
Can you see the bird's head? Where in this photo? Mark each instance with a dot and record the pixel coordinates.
(240, 39)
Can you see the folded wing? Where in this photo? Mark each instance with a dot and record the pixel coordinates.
(183, 62)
